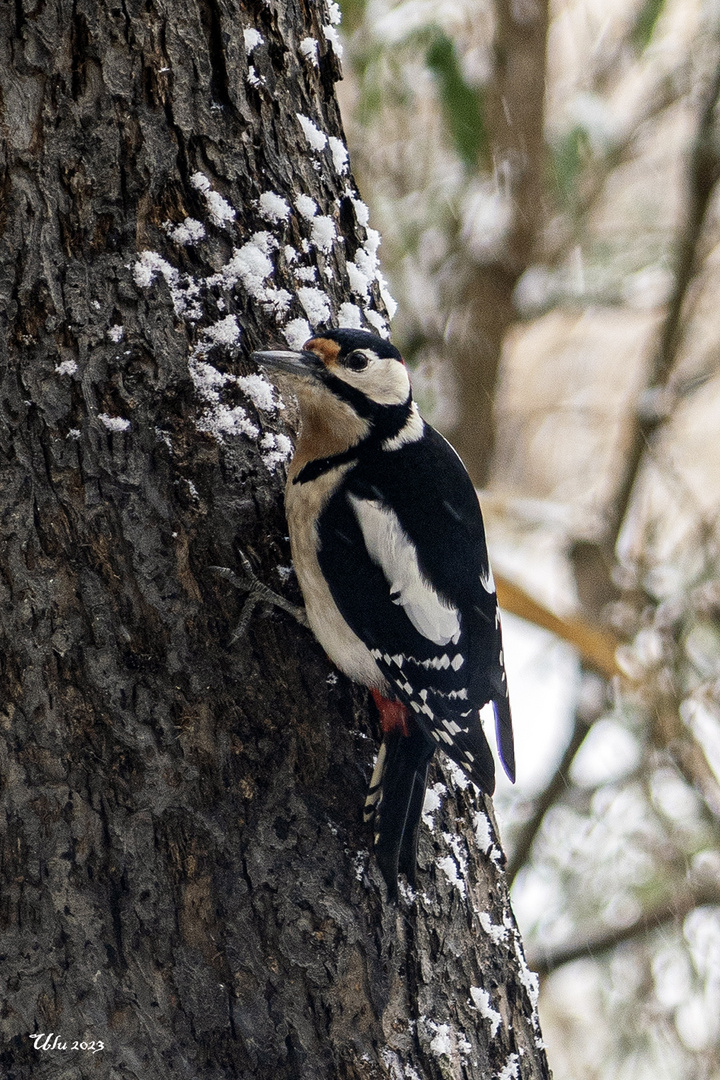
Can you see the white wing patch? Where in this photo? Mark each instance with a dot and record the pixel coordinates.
(488, 581)
(391, 549)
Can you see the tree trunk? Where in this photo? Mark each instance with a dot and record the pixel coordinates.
(185, 875)
(515, 119)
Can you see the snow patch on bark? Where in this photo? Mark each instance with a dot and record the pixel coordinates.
(350, 315)
(297, 332)
(433, 802)
(316, 304)
(253, 38)
(481, 1001)
(496, 933)
(114, 423)
(189, 231)
(339, 154)
(220, 210)
(306, 207)
(484, 836)
(276, 448)
(309, 49)
(333, 38)
(274, 207)
(510, 1069)
(323, 233)
(317, 139)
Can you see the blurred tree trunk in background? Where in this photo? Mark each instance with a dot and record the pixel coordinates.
(514, 117)
(185, 878)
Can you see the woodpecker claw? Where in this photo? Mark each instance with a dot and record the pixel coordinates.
(258, 593)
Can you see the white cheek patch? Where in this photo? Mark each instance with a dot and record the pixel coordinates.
(385, 380)
(391, 549)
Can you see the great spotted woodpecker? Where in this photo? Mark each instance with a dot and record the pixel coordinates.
(389, 548)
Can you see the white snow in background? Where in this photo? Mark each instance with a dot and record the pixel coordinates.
(339, 154)
(73, 433)
(309, 49)
(315, 302)
(189, 231)
(116, 333)
(218, 420)
(306, 206)
(274, 207)
(291, 255)
(114, 423)
(350, 315)
(68, 367)
(297, 332)
(481, 1000)
(456, 845)
(220, 210)
(250, 265)
(253, 78)
(306, 273)
(253, 38)
(359, 281)
(608, 753)
(543, 675)
(316, 138)
(207, 380)
(184, 292)
(365, 270)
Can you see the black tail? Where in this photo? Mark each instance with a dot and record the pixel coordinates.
(504, 733)
(395, 801)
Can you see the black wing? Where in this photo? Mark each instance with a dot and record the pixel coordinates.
(402, 547)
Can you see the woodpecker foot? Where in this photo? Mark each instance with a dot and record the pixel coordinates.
(258, 593)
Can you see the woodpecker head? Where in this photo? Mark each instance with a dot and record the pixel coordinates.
(358, 367)
(353, 389)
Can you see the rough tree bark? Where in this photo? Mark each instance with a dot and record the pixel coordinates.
(184, 871)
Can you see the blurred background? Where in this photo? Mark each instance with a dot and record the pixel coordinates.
(544, 182)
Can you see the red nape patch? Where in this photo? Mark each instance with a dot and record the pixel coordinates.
(393, 714)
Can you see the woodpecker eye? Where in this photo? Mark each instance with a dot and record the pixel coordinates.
(356, 360)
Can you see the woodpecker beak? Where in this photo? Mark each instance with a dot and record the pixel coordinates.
(290, 363)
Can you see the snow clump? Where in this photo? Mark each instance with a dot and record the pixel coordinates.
(220, 210)
(317, 139)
